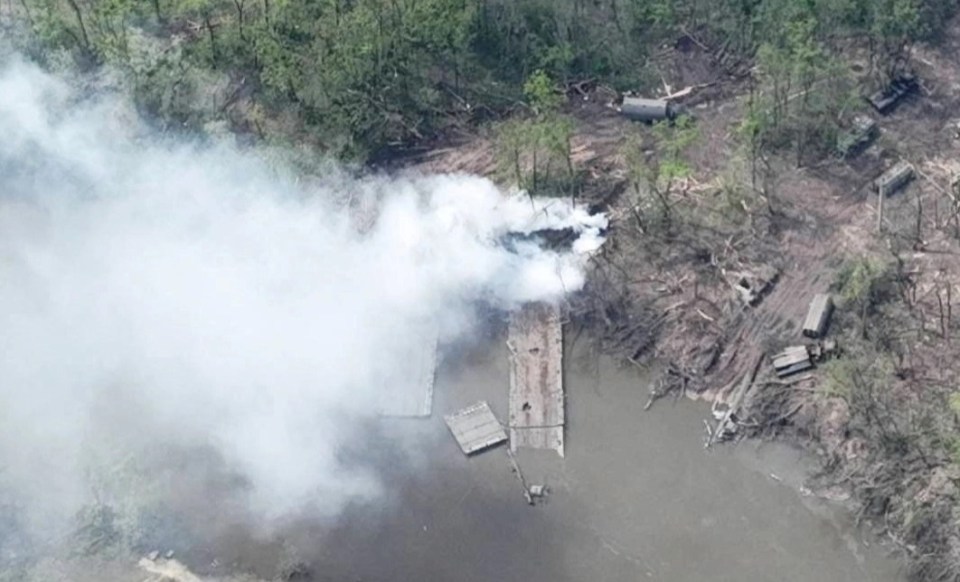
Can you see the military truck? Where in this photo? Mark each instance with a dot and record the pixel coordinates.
(886, 99)
(648, 110)
(818, 316)
(894, 178)
(791, 360)
(863, 130)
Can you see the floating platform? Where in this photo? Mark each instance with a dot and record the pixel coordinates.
(475, 428)
(535, 339)
(412, 395)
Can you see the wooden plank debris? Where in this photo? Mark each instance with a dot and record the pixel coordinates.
(518, 473)
(536, 378)
(475, 428)
(818, 316)
(752, 285)
(727, 420)
(792, 360)
(412, 394)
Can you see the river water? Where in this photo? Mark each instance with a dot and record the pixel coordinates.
(637, 497)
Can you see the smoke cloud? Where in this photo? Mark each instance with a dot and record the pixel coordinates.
(156, 293)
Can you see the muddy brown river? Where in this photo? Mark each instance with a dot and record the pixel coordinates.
(636, 498)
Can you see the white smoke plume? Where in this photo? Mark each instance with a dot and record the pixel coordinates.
(155, 292)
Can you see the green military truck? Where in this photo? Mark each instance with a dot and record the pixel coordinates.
(863, 130)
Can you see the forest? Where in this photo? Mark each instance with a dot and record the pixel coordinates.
(363, 77)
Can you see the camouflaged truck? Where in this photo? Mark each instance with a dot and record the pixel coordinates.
(886, 99)
(863, 130)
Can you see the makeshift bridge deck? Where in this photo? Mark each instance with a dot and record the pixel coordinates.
(536, 378)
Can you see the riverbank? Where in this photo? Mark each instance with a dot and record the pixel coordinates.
(670, 286)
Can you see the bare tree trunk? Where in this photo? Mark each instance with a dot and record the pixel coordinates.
(517, 171)
(880, 208)
(956, 221)
(83, 29)
(533, 187)
(863, 318)
(26, 10)
(919, 225)
(213, 39)
(936, 212)
(943, 316)
(949, 309)
(663, 195)
(615, 12)
(239, 4)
